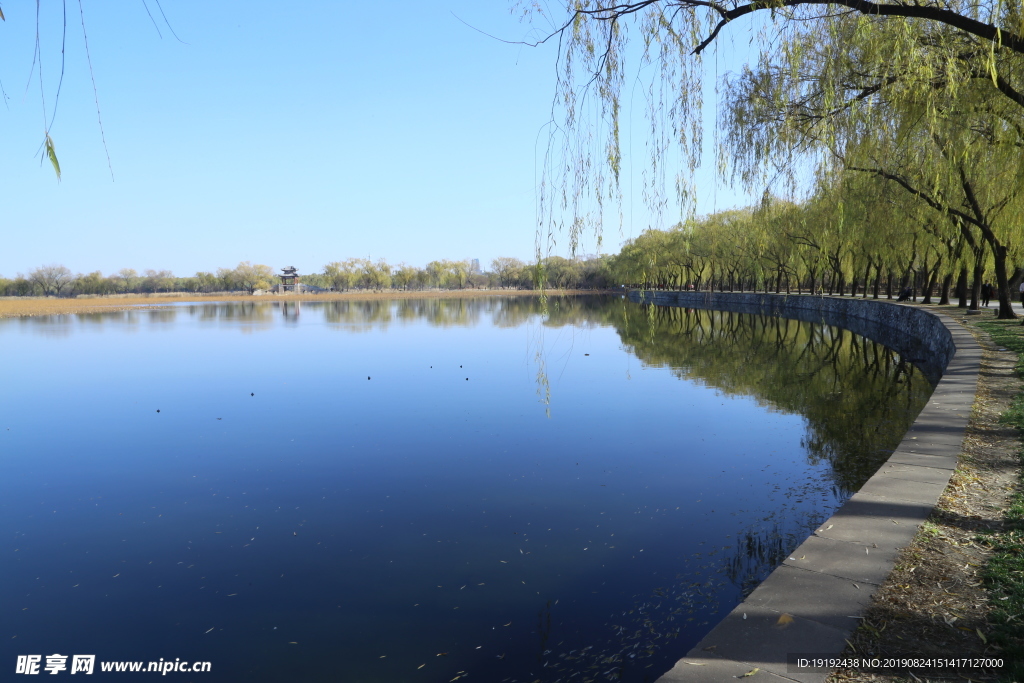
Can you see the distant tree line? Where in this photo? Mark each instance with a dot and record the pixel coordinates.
(553, 272)
(862, 237)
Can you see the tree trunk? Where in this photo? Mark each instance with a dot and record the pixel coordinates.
(930, 285)
(947, 282)
(1003, 284)
(979, 273)
(961, 287)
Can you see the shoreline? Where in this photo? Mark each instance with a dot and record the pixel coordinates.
(961, 512)
(16, 307)
(814, 601)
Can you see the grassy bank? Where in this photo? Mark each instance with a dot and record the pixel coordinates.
(30, 306)
(1004, 575)
(958, 588)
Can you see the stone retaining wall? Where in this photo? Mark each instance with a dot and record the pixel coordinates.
(812, 602)
(917, 334)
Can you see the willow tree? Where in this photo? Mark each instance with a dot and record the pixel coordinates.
(885, 98)
(972, 49)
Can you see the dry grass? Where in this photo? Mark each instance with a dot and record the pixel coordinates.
(935, 601)
(11, 307)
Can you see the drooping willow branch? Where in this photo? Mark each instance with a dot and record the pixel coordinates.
(990, 32)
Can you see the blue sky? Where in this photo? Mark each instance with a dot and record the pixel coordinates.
(293, 134)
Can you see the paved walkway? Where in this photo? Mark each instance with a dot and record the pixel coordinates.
(810, 605)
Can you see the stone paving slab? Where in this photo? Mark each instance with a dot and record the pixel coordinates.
(952, 427)
(927, 448)
(931, 438)
(822, 598)
(763, 638)
(707, 668)
(914, 472)
(884, 532)
(854, 561)
(953, 431)
(932, 417)
(903, 489)
(866, 519)
(936, 461)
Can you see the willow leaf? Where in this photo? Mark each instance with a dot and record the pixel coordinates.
(51, 153)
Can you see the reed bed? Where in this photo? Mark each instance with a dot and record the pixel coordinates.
(16, 306)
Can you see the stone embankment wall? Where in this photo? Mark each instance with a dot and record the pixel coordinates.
(813, 601)
(920, 336)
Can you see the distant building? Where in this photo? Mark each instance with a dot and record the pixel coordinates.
(289, 281)
(474, 266)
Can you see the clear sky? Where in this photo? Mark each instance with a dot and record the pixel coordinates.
(284, 134)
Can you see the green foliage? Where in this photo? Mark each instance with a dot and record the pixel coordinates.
(351, 274)
(51, 154)
(1004, 573)
(1007, 335)
(924, 99)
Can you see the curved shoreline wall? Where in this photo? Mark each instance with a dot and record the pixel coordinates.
(812, 602)
(917, 334)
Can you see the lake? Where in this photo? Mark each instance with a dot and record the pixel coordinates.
(496, 489)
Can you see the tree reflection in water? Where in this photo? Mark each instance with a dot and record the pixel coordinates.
(857, 398)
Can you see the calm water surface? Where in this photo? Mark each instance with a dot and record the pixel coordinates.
(422, 490)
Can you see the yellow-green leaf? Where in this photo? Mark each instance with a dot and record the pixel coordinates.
(51, 153)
